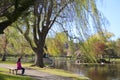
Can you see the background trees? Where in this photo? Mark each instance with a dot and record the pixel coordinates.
(96, 46)
(56, 46)
(13, 43)
(3, 45)
(117, 48)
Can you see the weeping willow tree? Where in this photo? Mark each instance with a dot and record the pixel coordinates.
(88, 22)
(83, 23)
(78, 17)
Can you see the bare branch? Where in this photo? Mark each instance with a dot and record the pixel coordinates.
(57, 15)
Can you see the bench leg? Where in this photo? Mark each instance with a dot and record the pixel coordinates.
(13, 71)
(9, 70)
(16, 71)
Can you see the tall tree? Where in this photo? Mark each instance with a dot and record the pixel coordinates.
(45, 14)
(48, 13)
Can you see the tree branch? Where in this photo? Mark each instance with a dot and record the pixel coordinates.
(12, 17)
(57, 15)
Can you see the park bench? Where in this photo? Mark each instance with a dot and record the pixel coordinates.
(13, 70)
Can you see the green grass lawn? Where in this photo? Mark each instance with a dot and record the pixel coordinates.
(62, 73)
(4, 75)
(116, 60)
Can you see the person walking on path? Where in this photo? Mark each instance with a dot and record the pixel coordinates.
(19, 66)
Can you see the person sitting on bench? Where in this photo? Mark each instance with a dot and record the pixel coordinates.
(19, 66)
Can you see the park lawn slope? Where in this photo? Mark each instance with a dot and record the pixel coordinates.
(5, 76)
(13, 77)
(63, 73)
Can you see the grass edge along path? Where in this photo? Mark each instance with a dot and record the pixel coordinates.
(60, 72)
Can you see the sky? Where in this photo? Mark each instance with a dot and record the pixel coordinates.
(111, 10)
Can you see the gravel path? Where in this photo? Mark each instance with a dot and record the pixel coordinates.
(38, 75)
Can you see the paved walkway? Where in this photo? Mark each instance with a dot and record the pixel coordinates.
(38, 75)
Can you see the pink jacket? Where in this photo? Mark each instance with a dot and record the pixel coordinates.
(19, 65)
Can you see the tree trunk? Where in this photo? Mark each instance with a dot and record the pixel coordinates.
(4, 57)
(3, 25)
(39, 59)
(109, 58)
